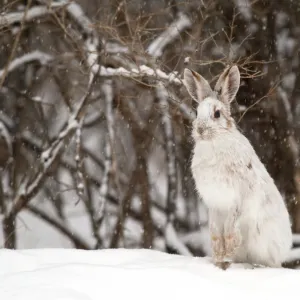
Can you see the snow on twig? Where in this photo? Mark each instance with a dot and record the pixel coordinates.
(78, 160)
(50, 154)
(156, 48)
(91, 44)
(91, 47)
(39, 56)
(142, 71)
(76, 12)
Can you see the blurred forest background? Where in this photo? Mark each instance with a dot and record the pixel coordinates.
(95, 123)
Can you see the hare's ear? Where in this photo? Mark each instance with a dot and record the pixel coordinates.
(196, 85)
(228, 84)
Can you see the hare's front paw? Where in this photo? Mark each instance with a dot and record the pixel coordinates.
(218, 250)
(224, 265)
(232, 242)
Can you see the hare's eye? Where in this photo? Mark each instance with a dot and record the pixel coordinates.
(217, 114)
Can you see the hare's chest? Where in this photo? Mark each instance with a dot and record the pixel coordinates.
(212, 183)
(208, 160)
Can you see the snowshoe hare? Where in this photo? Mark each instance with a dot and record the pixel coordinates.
(248, 219)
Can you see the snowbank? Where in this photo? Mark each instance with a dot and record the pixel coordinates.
(133, 274)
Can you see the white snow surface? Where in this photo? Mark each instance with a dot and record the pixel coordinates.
(65, 274)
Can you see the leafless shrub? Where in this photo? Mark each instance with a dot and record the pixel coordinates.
(94, 116)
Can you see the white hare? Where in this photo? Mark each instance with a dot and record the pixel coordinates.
(248, 219)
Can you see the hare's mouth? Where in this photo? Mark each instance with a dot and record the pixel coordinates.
(203, 133)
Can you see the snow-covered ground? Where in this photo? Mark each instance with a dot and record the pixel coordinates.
(65, 274)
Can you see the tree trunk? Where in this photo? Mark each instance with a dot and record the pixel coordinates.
(9, 230)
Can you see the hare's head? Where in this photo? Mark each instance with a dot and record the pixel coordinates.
(213, 112)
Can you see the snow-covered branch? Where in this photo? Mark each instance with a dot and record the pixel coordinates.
(41, 57)
(156, 48)
(91, 43)
(78, 159)
(33, 13)
(142, 71)
(76, 12)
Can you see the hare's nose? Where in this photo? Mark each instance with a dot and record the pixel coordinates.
(200, 130)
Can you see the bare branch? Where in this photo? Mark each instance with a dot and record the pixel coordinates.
(162, 95)
(49, 155)
(108, 94)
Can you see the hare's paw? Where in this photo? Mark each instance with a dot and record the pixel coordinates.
(224, 265)
(232, 242)
(218, 250)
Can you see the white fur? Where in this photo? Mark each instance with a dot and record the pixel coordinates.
(236, 187)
